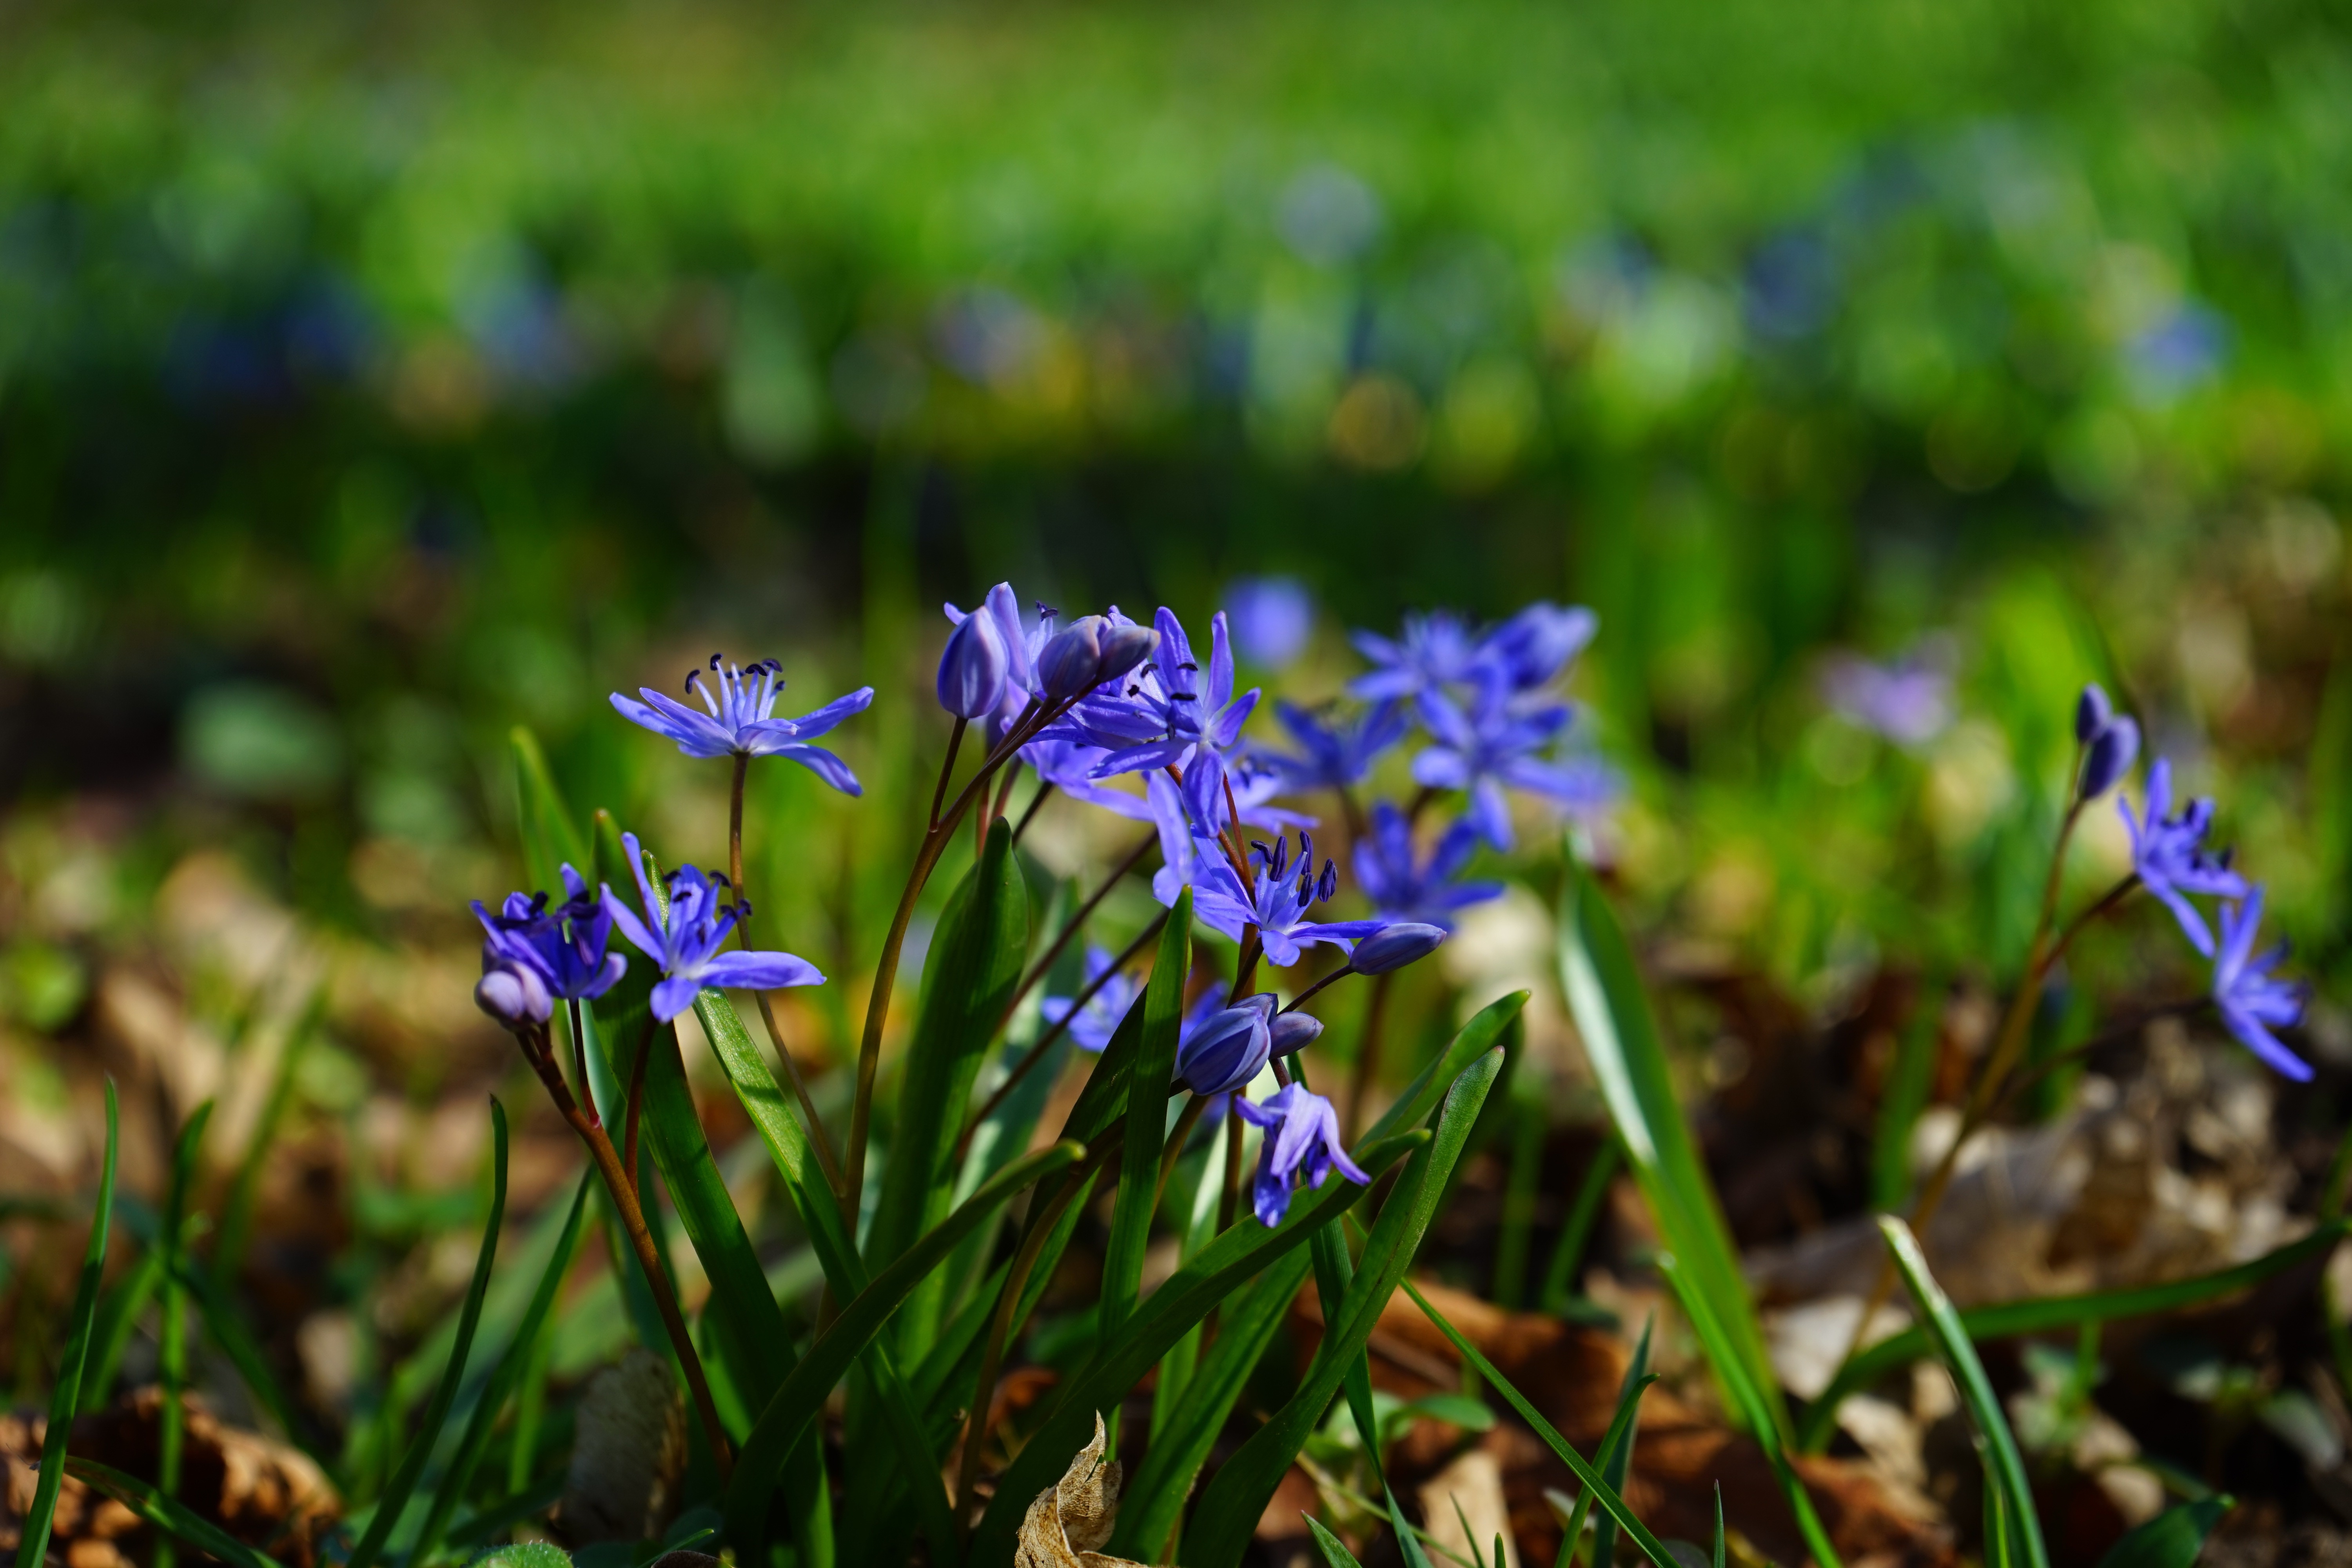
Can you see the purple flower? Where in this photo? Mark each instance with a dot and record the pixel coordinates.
(1273, 617)
(1277, 905)
(1490, 746)
(1302, 1135)
(971, 669)
(1403, 890)
(1169, 713)
(513, 993)
(1533, 645)
(1437, 649)
(1228, 1048)
(1334, 755)
(564, 948)
(1908, 701)
(1100, 1017)
(741, 719)
(1393, 946)
(684, 940)
(2169, 854)
(2251, 1003)
(2109, 756)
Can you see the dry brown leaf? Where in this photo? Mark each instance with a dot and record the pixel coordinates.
(1075, 1515)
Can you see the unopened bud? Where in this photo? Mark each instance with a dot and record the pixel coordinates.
(973, 667)
(1293, 1030)
(2112, 751)
(2092, 712)
(1393, 946)
(1071, 664)
(1227, 1051)
(513, 996)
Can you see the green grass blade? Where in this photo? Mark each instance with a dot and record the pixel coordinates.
(2004, 1466)
(396, 1493)
(976, 961)
(1717, 1555)
(1617, 1462)
(1620, 1040)
(765, 1102)
(117, 1316)
(1748, 1401)
(803, 1392)
(2173, 1539)
(1606, 1452)
(1246, 1327)
(509, 1373)
(550, 833)
(1238, 1494)
(173, 1358)
(1474, 1040)
(1909, 1078)
(226, 1325)
(1187, 1296)
(1148, 1078)
(165, 1515)
(2040, 1315)
(236, 1213)
(65, 1397)
(1335, 1550)
(1589, 1477)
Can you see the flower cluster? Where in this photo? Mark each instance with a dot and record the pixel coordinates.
(534, 956)
(1482, 699)
(2169, 858)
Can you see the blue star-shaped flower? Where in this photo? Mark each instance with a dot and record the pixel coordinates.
(1277, 905)
(741, 719)
(1403, 887)
(1302, 1136)
(2252, 1001)
(686, 939)
(2169, 854)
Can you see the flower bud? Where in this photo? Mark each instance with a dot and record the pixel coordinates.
(2092, 712)
(1227, 1051)
(2112, 751)
(1393, 946)
(972, 669)
(513, 995)
(1124, 647)
(1071, 663)
(1292, 1030)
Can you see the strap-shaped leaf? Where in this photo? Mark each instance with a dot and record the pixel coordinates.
(1610, 1503)
(1247, 1326)
(1187, 1296)
(803, 1392)
(33, 1541)
(503, 1380)
(396, 1493)
(968, 981)
(1620, 1040)
(2038, 1315)
(2173, 1539)
(1748, 1401)
(550, 833)
(763, 1099)
(2004, 1466)
(1238, 1494)
(166, 1514)
(1149, 1077)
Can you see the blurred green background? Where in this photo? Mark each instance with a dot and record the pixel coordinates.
(370, 383)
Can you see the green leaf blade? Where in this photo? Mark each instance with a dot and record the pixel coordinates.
(33, 1542)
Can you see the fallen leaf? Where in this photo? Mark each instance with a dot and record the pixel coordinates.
(1075, 1515)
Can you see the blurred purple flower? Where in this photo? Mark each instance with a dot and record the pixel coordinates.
(1434, 649)
(2169, 854)
(1169, 713)
(1491, 746)
(686, 939)
(1302, 1137)
(2177, 355)
(741, 719)
(1334, 755)
(2251, 1003)
(1100, 1017)
(1404, 888)
(1908, 701)
(1273, 617)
